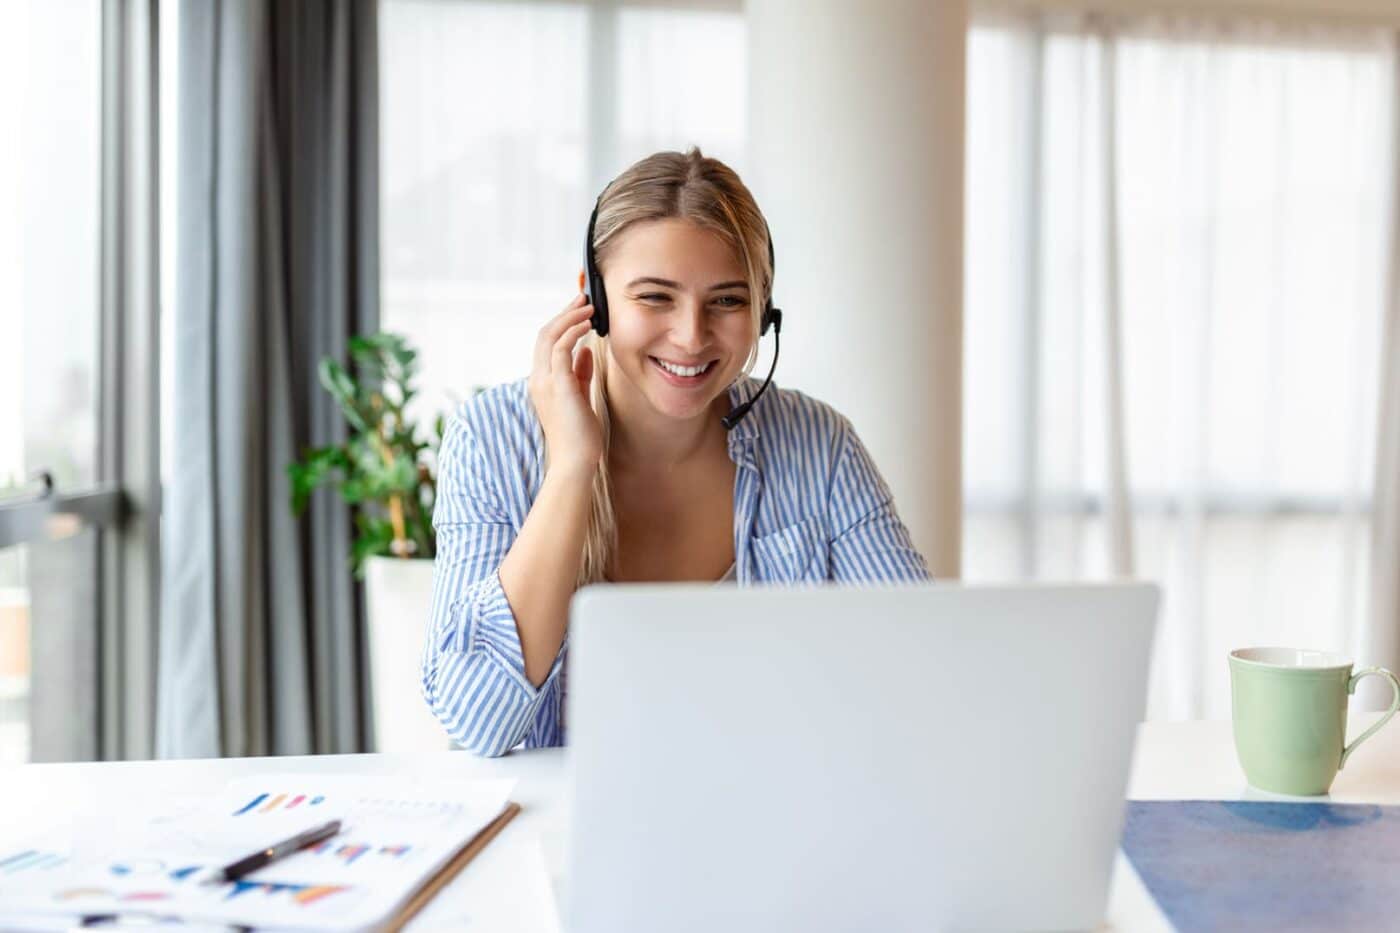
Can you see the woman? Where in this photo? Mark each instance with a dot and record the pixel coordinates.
(611, 463)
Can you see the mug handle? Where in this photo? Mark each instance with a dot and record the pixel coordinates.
(1394, 705)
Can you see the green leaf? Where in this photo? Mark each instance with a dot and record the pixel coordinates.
(353, 491)
(371, 371)
(382, 479)
(405, 474)
(375, 538)
(344, 390)
(301, 486)
(313, 472)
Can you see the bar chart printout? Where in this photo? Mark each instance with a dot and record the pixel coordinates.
(155, 861)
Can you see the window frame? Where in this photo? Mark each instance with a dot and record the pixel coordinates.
(123, 506)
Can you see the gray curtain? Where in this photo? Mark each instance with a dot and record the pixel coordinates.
(261, 634)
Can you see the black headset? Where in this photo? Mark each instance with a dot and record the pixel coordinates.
(598, 297)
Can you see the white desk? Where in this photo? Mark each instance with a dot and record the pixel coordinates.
(1190, 760)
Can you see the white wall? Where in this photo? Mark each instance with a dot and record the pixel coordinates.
(856, 129)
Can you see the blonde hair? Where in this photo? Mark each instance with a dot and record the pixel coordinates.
(709, 194)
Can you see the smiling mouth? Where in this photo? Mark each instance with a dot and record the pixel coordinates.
(683, 375)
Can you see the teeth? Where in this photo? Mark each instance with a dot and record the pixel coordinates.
(682, 370)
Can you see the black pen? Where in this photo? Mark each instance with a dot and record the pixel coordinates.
(243, 866)
(122, 921)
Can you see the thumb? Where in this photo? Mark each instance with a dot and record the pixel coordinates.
(583, 368)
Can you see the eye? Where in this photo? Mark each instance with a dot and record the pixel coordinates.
(653, 296)
(737, 301)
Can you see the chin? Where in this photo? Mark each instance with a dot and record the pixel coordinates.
(683, 409)
(685, 402)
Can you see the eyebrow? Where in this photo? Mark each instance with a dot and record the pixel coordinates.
(667, 283)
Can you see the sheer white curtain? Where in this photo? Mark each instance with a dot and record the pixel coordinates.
(499, 122)
(1177, 270)
(1381, 644)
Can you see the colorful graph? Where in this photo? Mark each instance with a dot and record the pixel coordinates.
(352, 852)
(151, 867)
(146, 896)
(139, 867)
(30, 860)
(301, 893)
(75, 894)
(280, 801)
(347, 852)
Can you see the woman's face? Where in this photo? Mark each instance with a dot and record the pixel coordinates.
(680, 325)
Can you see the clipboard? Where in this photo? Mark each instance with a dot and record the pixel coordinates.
(420, 898)
(465, 828)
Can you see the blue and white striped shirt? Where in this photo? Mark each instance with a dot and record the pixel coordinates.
(809, 506)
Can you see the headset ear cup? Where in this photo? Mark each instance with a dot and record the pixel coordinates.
(593, 282)
(600, 314)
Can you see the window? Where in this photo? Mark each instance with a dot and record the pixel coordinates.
(486, 191)
(50, 105)
(75, 601)
(1249, 169)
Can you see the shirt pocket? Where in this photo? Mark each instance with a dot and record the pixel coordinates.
(793, 554)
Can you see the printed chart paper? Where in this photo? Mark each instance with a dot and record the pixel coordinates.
(157, 860)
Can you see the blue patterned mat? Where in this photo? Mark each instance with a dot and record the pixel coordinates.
(1255, 865)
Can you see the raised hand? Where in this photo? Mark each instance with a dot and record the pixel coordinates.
(558, 387)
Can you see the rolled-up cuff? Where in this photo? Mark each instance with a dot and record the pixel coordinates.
(492, 631)
(492, 624)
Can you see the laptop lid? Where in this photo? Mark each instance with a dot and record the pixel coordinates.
(850, 758)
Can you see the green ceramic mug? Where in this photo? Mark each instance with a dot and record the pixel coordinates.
(1290, 715)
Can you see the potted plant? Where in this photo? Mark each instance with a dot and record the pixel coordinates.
(384, 472)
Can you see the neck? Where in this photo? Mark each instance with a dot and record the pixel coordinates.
(640, 437)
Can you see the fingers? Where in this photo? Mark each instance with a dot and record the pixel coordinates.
(564, 319)
(562, 355)
(549, 334)
(583, 368)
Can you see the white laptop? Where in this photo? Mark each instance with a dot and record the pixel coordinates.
(850, 759)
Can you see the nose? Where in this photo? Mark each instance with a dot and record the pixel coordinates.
(690, 331)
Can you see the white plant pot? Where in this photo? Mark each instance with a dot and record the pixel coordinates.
(398, 600)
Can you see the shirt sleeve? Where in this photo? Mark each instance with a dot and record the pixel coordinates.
(473, 668)
(869, 542)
